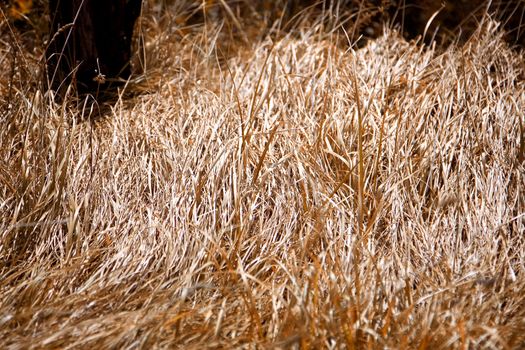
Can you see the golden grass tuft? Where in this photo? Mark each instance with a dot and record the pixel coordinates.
(290, 192)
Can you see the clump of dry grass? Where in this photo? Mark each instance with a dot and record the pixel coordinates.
(296, 194)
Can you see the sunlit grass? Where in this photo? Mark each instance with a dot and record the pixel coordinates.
(288, 192)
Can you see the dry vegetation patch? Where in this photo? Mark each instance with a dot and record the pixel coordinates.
(296, 193)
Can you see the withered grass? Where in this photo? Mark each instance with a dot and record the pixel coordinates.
(291, 191)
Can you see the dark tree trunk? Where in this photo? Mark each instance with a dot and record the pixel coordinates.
(90, 43)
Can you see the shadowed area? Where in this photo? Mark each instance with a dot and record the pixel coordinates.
(90, 43)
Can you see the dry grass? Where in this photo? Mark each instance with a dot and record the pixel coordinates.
(293, 193)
